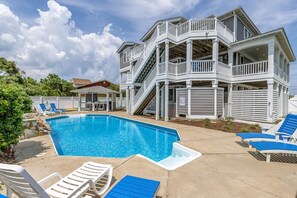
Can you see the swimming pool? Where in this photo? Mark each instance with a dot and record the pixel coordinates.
(110, 136)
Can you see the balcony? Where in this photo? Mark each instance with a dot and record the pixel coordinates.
(254, 68)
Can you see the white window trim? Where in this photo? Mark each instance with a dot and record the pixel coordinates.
(126, 55)
(246, 33)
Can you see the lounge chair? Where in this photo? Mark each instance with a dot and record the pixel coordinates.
(19, 181)
(44, 110)
(131, 186)
(285, 132)
(268, 148)
(54, 108)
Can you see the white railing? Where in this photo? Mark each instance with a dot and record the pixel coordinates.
(202, 66)
(224, 30)
(146, 83)
(182, 28)
(260, 67)
(161, 68)
(137, 51)
(162, 28)
(201, 25)
(172, 29)
(224, 69)
(177, 68)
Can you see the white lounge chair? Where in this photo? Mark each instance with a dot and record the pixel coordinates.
(77, 183)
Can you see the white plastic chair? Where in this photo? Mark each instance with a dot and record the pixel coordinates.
(77, 183)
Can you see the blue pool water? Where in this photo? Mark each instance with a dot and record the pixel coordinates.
(110, 136)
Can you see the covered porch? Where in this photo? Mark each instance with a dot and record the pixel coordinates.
(89, 98)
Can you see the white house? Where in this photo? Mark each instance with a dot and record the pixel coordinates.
(208, 68)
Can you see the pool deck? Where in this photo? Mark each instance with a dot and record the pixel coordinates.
(226, 169)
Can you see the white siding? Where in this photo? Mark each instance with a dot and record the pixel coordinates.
(182, 109)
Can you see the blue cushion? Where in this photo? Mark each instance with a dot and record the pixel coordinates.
(289, 125)
(262, 146)
(255, 135)
(3, 196)
(131, 186)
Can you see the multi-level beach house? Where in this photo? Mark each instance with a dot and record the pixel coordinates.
(208, 68)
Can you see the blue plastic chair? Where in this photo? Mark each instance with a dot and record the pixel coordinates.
(54, 108)
(131, 186)
(268, 148)
(286, 130)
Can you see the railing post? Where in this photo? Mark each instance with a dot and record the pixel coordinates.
(216, 23)
(166, 28)
(190, 25)
(166, 56)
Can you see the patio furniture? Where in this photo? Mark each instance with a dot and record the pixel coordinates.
(268, 148)
(19, 181)
(286, 132)
(44, 110)
(131, 186)
(54, 108)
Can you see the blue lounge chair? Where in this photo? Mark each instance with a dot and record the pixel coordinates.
(54, 108)
(268, 148)
(287, 130)
(131, 186)
(43, 109)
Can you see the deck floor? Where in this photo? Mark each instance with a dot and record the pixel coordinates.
(226, 169)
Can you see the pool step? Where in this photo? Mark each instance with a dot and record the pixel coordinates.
(180, 156)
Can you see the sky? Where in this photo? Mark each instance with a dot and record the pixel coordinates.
(75, 38)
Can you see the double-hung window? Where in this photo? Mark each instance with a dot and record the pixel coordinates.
(246, 33)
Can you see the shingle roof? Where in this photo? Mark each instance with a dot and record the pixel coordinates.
(81, 81)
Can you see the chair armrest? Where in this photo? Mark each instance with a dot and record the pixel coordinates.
(282, 133)
(49, 177)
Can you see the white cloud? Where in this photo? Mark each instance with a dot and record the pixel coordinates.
(54, 44)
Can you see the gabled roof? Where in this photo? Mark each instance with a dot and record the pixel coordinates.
(243, 17)
(80, 81)
(151, 30)
(124, 45)
(281, 35)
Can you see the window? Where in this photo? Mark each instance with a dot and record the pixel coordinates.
(126, 55)
(246, 33)
(171, 95)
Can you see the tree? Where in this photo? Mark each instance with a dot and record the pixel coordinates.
(14, 102)
(56, 86)
(10, 73)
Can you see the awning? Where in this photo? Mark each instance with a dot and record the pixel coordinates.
(95, 89)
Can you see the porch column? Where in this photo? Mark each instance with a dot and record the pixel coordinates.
(162, 101)
(166, 56)
(189, 55)
(270, 84)
(127, 100)
(157, 57)
(157, 101)
(215, 54)
(112, 101)
(235, 26)
(93, 105)
(230, 90)
(189, 85)
(215, 86)
(166, 118)
(271, 59)
(121, 98)
(230, 58)
(107, 102)
(132, 94)
(79, 102)
(281, 100)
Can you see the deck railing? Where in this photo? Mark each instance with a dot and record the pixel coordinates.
(260, 67)
(161, 68)
(202, 66)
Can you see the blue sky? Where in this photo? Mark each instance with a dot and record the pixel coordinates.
(79, 38)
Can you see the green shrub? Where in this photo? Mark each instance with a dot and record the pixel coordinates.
(245, 130)
(229, 119)
(228, 127)
(254, 127)
(13, 103)
(206, 122)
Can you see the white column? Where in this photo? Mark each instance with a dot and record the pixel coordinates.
(235, 27)
(230, 90)
(157, 57)
(230, 58)
(189, 55)
(281, 101)
(215, 54)
(127, 100)
(121, 98)
(166, 117)
(93, 105)
(271, 59)
(79, 102)
(157, 101)
(189, 85)
(270, 100)
(162, 101)
(166, 56)
(132, 94)
(112, 102)
(215, 86)
(107, 102)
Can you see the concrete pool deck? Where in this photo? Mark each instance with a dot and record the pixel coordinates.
(226, 168)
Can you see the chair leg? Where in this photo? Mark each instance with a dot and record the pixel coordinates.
(268, 156)
(104, 189)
